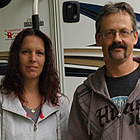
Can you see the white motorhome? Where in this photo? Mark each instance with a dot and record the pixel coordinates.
(71, 27)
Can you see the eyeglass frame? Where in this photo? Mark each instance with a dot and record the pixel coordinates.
(114, 33)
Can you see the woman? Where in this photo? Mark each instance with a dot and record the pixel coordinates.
(32, 106)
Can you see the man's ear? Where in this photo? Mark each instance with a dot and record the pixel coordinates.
(98, 39)
(135, 37)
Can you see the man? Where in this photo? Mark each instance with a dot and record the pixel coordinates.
(106, 106)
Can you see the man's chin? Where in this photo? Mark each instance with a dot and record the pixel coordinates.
(118, 57)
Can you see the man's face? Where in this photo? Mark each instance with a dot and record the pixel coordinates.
(117, 48)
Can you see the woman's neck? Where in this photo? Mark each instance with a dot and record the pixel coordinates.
(32, 95)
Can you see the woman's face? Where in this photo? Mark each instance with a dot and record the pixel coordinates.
(32, 57)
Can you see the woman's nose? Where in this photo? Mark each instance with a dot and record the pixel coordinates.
(33, 57)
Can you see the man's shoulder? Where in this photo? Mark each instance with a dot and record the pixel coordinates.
(82, 89)
(83, 94)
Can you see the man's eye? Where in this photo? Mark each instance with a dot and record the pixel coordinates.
(125, 32)
(108, 33)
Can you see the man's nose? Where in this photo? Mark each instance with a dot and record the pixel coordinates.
(117, 37)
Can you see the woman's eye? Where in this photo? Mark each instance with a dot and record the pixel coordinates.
(24, 51)
(41, 53)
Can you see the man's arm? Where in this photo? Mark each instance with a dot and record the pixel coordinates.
(77, 129)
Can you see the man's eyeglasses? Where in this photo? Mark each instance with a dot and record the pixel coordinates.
(109, 34)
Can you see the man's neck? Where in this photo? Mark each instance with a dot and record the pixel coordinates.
(118, 70)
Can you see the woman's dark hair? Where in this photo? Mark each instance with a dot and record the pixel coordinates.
(13, 80)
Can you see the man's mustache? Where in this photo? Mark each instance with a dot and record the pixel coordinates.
(116, 45)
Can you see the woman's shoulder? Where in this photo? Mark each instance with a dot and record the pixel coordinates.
(64, 105)
(0, 97)
(0, 102)
(62, 99)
